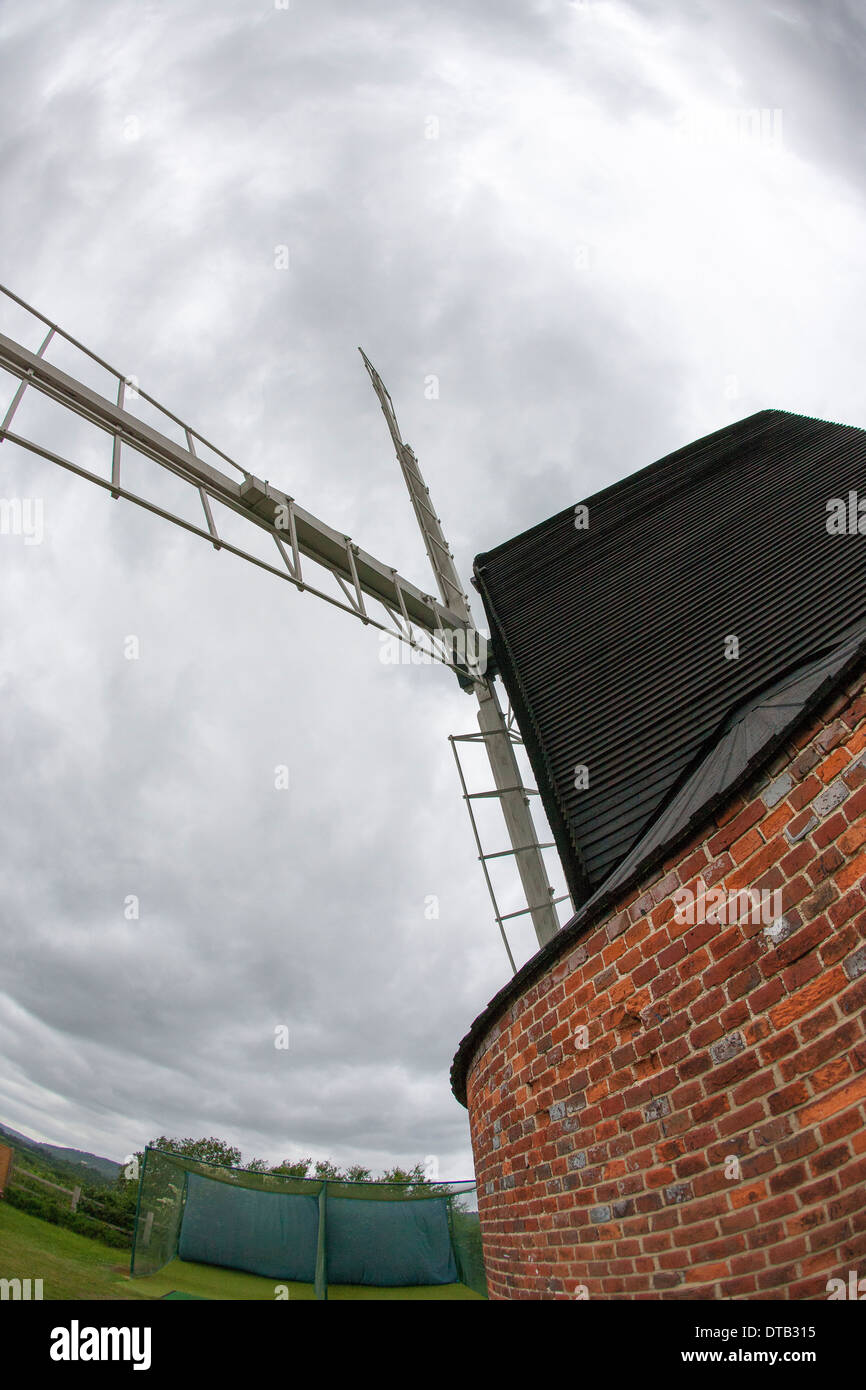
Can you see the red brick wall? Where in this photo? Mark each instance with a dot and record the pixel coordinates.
(706, 1136)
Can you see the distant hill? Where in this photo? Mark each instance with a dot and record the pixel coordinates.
(76, 1163)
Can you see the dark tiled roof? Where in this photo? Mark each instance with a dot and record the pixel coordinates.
(749, 742)
(611, 640)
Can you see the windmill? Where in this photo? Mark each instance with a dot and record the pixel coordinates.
(370, 591)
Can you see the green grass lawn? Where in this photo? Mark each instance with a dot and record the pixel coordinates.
(74, 1266)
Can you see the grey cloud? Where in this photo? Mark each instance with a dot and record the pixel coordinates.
(452, 257)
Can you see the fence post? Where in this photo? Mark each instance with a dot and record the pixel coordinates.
(76, 1193)
(7, 1159)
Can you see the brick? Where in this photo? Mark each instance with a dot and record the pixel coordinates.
(780, 929)
(826, 1047)
(756, 1029)
(778, 1046)
(730, 1072)
(770, 993)
(831, 1074)
(692, 866)
(833, 765)
(852, 838)
(817, 901)
(788, 1097)
(798, 1146)
(671, 954)
(709, 1108)
(641, 907)
(663, 913)
(853, 1001)
(855, 775)
(644, 972)
(808, 999)
(804, 763)
(830, 830)
(741, 1287)
(800, 974)
(744, 848)
(732, 963)
(812, 1027)
(743, 983)
(826, 864)
(838, 1100)
(853, 872)
(797, 858)
(801, 826)
(707, 1005)
(789, 1177)
(677, 1193)
(855, 965)
(706, 1033)
(757, 1085)
(748, 1195)
(831, 736)
(664, 887)
(681, 998)
(725, 942)
(856, 807)
(776, 822)
(735, 829)
(838, 946)
(772, 1131)
(844, 1123)
(727, 1048)
(830, 799)
(804, 792)
(747, 873)
(707, 1273)
(829, 1159)
(617, 925)
(716, 870)
(777, 790)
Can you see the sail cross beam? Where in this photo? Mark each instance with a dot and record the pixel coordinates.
(414, 617)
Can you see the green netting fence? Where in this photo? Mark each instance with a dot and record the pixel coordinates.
(309, 1230)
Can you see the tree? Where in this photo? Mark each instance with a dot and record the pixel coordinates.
(326, 1169)
(407, 1181)
(210, 1150)
(257, 1165)
(296, 1169)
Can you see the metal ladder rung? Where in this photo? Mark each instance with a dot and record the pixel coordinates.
(524, 791)
(521, 912)
(500, 853)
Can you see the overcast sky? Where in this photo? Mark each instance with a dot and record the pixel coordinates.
(562, 212)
